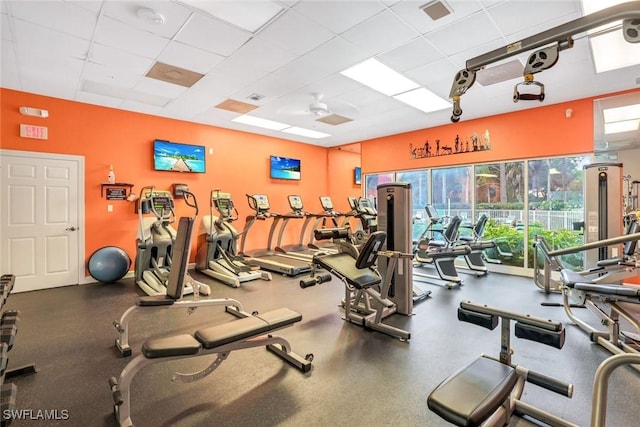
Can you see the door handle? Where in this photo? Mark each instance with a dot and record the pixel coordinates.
(71, 229)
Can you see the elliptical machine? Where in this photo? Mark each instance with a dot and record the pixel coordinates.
(155, 240)
(217, 245)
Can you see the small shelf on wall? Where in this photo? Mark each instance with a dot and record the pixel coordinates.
(116, 190)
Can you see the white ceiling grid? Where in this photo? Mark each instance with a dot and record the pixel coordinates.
(99, 51)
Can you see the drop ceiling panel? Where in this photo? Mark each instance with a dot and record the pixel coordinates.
(380, 33)
(8, 68)
(66, 18)
(55, 80)
(455, 39)
(5, 32)
(193, 102)
(510, 16)
(40, 42)
(212, 35)
(120, 76)
(436, 71)
(295, 33)
(336, 55)
(121, 36)
(411, 55)
(262, 55)
(102, 100)
(339, 16)
(189, 57)
(119, 59)
(140, 107)
(409, 12)
(159, 87)
(174, 14)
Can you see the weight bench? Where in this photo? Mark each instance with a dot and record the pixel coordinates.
(487, 392)
(220, 339)
(597, 296)
(365, 302)
(175, 288)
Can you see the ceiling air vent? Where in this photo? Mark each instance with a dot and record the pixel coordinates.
(436, 9)
(236, 106)
(172, 74)
(334, 119)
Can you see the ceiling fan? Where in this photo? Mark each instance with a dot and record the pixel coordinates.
(333, 112)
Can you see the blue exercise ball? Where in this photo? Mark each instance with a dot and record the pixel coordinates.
(109, 264)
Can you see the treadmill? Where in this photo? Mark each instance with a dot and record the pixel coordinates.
(300, 250)
(269, 259)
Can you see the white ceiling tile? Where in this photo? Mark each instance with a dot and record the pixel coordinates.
(226, 79)
(410, 55)
(119, 59)
(53, 78)
(477, 28)
(96, 99)
(5, 29)
(409, 11)
(116, 34)
(295, 32)
(57, 15)
(9, 76)
(91, 5)
(339, 16)
(159, 87)
(4, 8)
(189, 57)
(42, 43)
(261, 55)
(337, 54)
(510, 17)
(461, 58)
(191, 103)
(140, 107)
(212, 35)
(174, 14)
(118, 76)
(428, 75)
(380, 33)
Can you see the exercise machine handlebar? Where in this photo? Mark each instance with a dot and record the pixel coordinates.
(595, 245)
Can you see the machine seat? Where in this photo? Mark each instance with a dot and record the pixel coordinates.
(471, 395)
(177, 345)
(342, 265)
(236, 330)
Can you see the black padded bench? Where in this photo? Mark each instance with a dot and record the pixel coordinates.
(218, 340)
(219, 335)
(576, 281)
(470, 396)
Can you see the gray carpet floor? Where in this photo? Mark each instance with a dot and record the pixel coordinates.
(359, 377)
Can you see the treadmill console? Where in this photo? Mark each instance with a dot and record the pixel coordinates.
(295, 202)
(326, 203)
(262, 203)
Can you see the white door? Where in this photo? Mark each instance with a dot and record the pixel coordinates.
(40, 214)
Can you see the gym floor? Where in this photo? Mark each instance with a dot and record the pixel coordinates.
(359, 377)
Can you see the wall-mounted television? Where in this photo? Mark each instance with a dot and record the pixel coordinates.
(285, 168)
(357, 175)
(172, 156)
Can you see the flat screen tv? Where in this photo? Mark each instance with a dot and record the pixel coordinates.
(357, 175)
(171, 156)
(285, 168)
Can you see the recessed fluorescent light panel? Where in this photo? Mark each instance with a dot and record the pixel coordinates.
(305, 132)
(379, 77)
(258, 122)
(618, 127)
(609, 49)
(424, 100)
(248, 15)
(620, 114)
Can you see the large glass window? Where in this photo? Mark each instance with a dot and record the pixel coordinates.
(499, 194)
(419, 181)
(371, 182)
(451, 191)
(556, 205)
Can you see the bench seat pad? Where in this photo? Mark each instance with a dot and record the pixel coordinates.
(343, 265)
(177, 345)
(236, 330)
(472, 394)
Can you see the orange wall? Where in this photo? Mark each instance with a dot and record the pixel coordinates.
(239, 163)
(542, 131)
